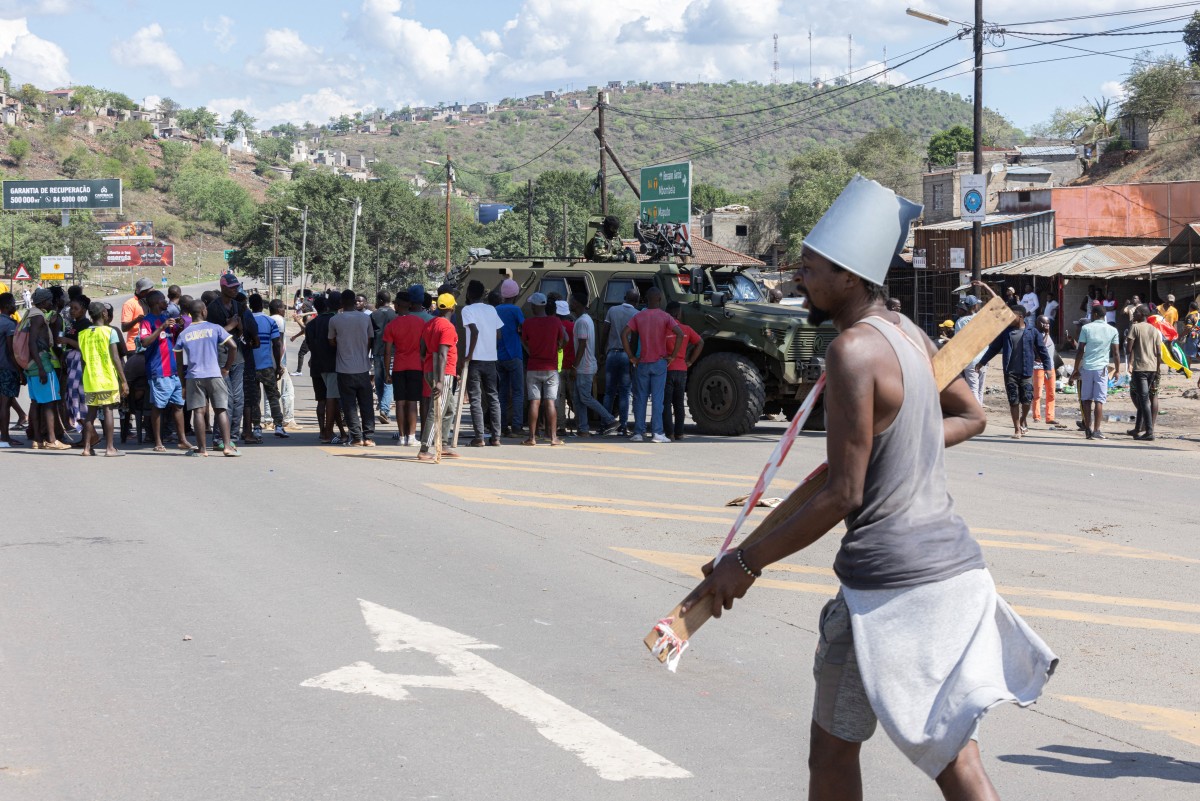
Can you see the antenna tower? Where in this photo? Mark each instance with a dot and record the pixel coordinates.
(850, 55)
(775, 66)
(810, 78)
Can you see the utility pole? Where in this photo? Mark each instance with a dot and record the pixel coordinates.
(449, 189)
(275, 229)
(601, 102)
(977, 226)
(775, 65)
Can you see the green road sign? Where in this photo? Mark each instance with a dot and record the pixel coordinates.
(228, 254)
(667, 193)
(62, 194)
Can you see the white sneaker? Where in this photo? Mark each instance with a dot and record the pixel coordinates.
(279, 432)
(659, 439)
(296, 373)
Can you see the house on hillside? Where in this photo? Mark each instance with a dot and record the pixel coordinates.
(1063, 162)
(481, 107)
(728, 226)
(62, 94)
(357, 162)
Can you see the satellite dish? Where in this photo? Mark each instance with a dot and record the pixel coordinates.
(997, 167)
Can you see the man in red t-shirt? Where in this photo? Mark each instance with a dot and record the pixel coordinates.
(677, 373)
(402, 350)
(652, 325)
(542, 337)
(439, 344)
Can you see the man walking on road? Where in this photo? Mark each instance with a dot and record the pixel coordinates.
(543, 335)
(201, 344)
(585, 367)
(350, 336)
(1023, 348)
(483, 326)
(617, 368)
(380, 317)
(402, 342)
(1145, 362)
(1044, 373)
(1097, 354)
(653, 326)
(323, 369)
(917, 639)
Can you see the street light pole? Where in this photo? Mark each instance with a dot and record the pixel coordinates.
(449, 187)
(303, 245)
(357, 203)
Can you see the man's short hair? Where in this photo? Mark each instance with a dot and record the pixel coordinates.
(673, 306)
(154, 297)
(255, 302)
(348, 298)
(475, 290)
(198, 309)
(580, 297)
(319, 303)
(1097, 311)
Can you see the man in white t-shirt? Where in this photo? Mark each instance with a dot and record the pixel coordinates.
(1031, 303)
(482, 325)
(585, 367)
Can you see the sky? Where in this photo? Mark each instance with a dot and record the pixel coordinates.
(301, 60)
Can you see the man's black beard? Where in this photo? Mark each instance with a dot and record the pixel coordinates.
(816, 316)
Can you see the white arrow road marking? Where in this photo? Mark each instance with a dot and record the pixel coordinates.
(612, 755)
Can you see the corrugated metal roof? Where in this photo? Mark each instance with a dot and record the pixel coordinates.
(1090, 261)
(1048, 150)
(710, 254)
(992, 219)
(1028, 171)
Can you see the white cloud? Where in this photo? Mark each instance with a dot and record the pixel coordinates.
(315, 107)
(285, 58)
(1113, 89)
(222, 31)
(713, 21)
(17, 8)
(31, 59)
(148, 48)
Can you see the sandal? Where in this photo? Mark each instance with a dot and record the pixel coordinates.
(195, 452)
(160, 448)
(528, 442)
(58, 446)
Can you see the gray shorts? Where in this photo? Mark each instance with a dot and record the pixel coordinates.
(840, 704)
(203, 391)
(1093, 385)
(541, 385)
(331, 386)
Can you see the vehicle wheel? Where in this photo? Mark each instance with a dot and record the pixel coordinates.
(726, 395)
(816, 420)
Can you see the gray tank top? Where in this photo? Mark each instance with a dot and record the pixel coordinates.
(907, 532)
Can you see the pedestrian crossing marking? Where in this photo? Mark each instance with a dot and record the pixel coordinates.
(1181, 724)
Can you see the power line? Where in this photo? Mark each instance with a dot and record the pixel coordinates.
(1107, 14)
(545, 152)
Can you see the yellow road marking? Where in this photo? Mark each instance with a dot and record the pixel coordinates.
(1178, 723)
(604, 447)
(579, 503)
(1085, 545)
(690, 564)
(1032, 454)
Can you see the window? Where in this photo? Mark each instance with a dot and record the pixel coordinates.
(741, 230)
(564, 285)
(707, 232)
(615, 289)
(939, 197)
(1023, 197)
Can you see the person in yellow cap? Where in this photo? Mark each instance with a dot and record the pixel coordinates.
(945, 332)
(439, 349)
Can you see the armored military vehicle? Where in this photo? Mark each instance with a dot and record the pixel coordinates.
(758, 356)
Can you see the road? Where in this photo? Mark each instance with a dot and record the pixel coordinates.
(315, 622)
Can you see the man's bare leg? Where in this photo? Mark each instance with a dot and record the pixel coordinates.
(833, 770)
(965, 780)
(1015, 411)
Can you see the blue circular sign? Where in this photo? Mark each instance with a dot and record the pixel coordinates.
(973, 201)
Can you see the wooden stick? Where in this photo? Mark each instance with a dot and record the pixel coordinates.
(948, 364)
(462, 392)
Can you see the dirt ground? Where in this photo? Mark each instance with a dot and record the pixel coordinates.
(1178, 416)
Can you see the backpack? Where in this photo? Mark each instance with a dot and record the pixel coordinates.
(22, 346)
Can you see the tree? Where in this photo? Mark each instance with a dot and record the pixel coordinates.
(211, 197)
(241, 119)
(5, 80)
(1153, 85)
(18, 149)
(141, 178)
(706, 197)
(1064, 123)
(174, 156)
(817, 177)
(199, 122)
(88, 99)
(945, 146)
(341, 125)
(1191, 39)
(168, 107)
(230, 135)
(889, 156)
(30, 95)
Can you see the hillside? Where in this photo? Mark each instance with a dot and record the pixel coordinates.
(509, 138)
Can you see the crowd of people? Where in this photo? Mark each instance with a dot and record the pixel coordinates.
(1032, 369)
(169, 368)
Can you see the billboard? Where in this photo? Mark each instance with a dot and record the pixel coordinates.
(141, 255)
(56, 194)
(126, 231)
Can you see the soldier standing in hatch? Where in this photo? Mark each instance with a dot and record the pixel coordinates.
(606, 245)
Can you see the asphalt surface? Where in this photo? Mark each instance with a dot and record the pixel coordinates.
(184, 629)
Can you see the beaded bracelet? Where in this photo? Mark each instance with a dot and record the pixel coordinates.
(744, 566)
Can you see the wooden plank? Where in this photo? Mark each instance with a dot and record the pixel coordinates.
(948, 365)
